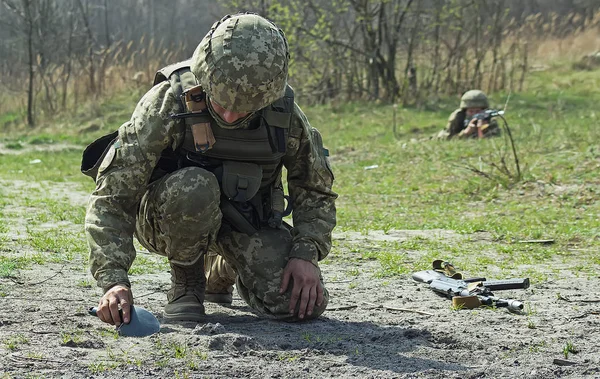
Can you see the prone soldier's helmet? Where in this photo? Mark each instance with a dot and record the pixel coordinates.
(474, 99)
(242, 62)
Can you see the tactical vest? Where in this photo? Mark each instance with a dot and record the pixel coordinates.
(247, 162)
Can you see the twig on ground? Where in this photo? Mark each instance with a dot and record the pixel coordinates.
(583, 315)
(343, 308)
(563, 362)
(147, 294)
(40, 282)
(544, 242)
(14, 280)
(398, 309)
(23, 361)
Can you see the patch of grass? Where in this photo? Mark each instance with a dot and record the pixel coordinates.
(569, 348)
(42, 139)
(85, 283)
(457, 307)
(287, 357)
(180, 350)
(8, 265)
(392, 264)
(66, 245)
(59, 166)
(108, 333)
(100, 367)
(537, 347)
(162, 363)
(75, 337)
(9, 118)
(307, 336)
(12, 343)
(13, 145)
(182, 375)
(202, 355)
(148, 265)
(57, 210)
(34, 355)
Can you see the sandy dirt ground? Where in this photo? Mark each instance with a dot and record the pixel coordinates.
(45, 330)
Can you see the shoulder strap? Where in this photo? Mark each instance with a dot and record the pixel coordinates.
(279, 114)
(180, 76)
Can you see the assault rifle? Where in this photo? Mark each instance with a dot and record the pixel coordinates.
(473, 292)
(487, 114)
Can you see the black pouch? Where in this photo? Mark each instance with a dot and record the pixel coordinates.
(240, 181)
(95, 152)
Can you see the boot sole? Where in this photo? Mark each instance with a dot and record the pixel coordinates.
(184, 316)
(218, 298)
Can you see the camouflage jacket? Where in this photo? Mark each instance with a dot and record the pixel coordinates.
(125, 171)
(456, 124)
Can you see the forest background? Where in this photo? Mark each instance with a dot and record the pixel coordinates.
(60, 54)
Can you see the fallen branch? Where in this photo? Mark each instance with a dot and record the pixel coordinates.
(544, 242)
(36, 283)
(563, 362)
(343, 308)
(398, 309)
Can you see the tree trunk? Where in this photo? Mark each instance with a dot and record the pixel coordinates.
(29, 20)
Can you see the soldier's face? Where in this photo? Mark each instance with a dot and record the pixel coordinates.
(473, 111)
(227, 116)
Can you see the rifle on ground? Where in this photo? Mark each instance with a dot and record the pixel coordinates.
(474, 292)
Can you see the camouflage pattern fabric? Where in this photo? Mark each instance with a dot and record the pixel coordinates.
(456, 125)
(220, 276)
(242, 63)
(122, 182)
(474, 99)
(178, 218)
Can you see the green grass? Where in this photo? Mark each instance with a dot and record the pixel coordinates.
(419, 183)
(62, 245)
(148, 265)
(9, 265)
(12, 343)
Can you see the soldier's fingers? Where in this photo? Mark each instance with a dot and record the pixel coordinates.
(285, 280)
(319, 294)
(126, 308)
(103, 311)
(311, 300)
(304, 301)
(114, 311)
(296, 289)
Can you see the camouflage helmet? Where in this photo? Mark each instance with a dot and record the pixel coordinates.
(474, 99)
(242, 62)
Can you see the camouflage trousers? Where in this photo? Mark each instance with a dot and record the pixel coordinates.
(179, 217)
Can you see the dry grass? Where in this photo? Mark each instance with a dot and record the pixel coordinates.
(124, 67)
(569, 48)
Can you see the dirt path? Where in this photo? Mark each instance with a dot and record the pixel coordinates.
(45, 330)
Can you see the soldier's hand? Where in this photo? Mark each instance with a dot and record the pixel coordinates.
(307, 289)
(472, 127)
(118, 297)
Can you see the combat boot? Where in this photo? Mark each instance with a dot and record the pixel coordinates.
(220, 278)
(186, 295)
